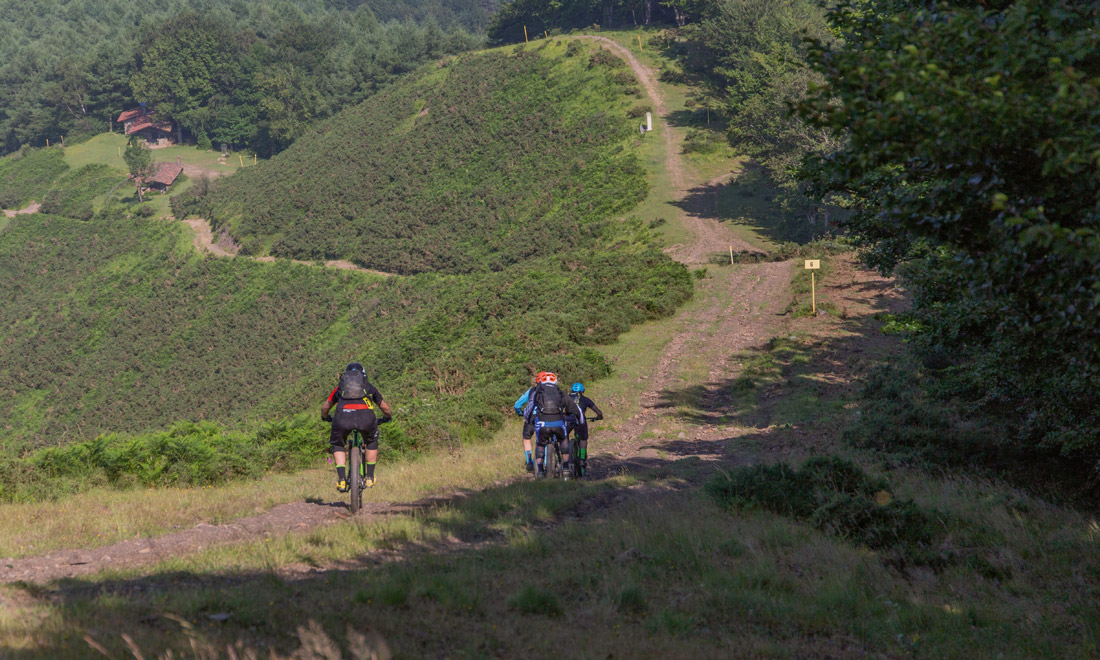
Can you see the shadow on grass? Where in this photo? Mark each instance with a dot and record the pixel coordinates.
(751, 200)
(484, 550)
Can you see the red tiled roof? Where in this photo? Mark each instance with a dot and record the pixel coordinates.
(147, 122)
(166, 173)
(130, 114)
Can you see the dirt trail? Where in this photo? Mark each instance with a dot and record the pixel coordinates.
(30, 208)
(226, 247)
(708, 235)
(742, 311)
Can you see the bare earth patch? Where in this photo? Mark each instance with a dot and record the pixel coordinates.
(30, 208)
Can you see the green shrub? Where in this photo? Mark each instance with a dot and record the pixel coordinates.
(534, 600)
(837, 497)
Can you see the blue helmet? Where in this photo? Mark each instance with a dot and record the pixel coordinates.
(577, 387)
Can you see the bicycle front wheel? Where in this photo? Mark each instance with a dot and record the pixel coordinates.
(355, 465)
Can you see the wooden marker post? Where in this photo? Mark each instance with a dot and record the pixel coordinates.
(524, 34)
(47, 143)
(731, 255)
(241, 158)
(812, 265)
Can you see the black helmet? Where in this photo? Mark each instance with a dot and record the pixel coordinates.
(355, 366)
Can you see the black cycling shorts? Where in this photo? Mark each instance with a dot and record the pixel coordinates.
(345, 420)
(528, 430)
(580, 432)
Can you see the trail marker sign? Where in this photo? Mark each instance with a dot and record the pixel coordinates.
(812, 265)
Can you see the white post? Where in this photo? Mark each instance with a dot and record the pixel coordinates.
(648, 121)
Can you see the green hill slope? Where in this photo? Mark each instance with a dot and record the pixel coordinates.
(480, 162)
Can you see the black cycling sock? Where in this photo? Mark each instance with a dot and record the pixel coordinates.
(340, 473)
(370, 469)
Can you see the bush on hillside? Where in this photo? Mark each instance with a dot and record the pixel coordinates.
(837, 497)
(28, 174)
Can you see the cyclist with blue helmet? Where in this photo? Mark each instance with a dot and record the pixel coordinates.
(578, 424)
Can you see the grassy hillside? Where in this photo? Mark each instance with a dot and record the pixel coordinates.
(478, 163)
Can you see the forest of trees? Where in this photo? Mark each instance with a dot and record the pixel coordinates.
(246, 74)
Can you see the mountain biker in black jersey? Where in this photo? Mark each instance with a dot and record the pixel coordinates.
(578, 424)
(546, 409)
(355, 400)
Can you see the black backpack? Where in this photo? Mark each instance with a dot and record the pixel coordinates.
(549, 399)
(353, 384)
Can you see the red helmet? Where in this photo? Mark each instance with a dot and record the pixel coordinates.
(547, 377)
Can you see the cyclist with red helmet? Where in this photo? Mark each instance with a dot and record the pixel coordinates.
(546, 409)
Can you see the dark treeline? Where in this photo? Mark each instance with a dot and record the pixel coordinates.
(539, 15)
(247, 74)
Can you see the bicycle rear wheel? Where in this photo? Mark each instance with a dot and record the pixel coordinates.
(553, 460)
(355, 465)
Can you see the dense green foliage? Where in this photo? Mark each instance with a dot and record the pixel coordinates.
(253, 74)
(972, 160)
(28, 174)
(187, 453)
(72, 195)
(486, 161)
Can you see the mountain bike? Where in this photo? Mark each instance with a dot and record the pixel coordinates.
(357, 466)
(552, 456)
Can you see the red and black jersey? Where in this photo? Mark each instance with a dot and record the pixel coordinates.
(371, 401)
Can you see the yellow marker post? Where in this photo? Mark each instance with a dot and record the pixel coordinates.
(640, 47)
(812, 265)
(524, 34)
(47, 143)
(241, 158)
(253, 159)
(731, 255)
